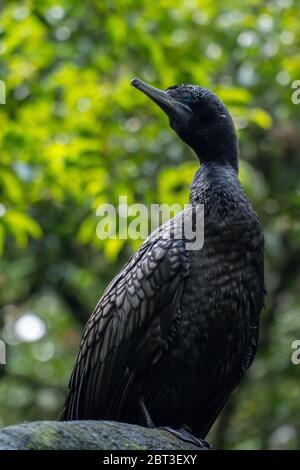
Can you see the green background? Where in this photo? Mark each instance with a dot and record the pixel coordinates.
(74, 134)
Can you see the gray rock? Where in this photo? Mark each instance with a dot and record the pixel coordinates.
(107, 435)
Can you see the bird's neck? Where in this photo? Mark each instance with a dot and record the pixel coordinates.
(217, 145)
(213, 176)
(219, 154)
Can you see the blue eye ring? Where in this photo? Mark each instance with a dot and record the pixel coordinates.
(188, 99)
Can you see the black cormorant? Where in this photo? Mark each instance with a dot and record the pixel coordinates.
(176, 329)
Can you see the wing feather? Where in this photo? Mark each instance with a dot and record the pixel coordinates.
(127, 329)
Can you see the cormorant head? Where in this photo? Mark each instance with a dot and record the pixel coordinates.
(199, 118)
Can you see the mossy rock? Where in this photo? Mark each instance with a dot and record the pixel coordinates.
(107, 435)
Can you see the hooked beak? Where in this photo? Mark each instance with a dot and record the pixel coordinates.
(178, 112)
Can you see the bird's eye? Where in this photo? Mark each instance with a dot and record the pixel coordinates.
(187, 99)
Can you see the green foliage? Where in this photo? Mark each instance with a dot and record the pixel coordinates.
(74, 134)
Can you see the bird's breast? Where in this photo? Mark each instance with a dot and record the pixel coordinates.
(216, 304)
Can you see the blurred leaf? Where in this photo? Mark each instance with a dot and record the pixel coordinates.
(261, 118)
(2, 238)
(21, 226)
